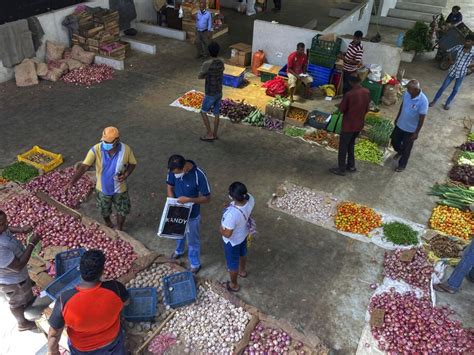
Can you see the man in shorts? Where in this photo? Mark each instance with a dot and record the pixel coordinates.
(213, 72)
(114, 163)
(297, 65)
(14, 280)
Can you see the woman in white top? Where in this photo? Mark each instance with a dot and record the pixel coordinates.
(235, 228)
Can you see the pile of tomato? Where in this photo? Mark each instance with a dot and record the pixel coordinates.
(453, 221)
(192, 99)
(354, 218)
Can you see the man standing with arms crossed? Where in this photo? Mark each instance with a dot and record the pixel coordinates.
(203, 30)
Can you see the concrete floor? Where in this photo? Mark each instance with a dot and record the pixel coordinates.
(315, 278)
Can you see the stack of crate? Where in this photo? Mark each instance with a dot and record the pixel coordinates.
(189, 23)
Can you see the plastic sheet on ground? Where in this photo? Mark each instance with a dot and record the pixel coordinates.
(367, 343)
(377, 236)
(176, 103)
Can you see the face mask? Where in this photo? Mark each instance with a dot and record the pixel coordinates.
(230, 198)
(179, 176)
(107, 146)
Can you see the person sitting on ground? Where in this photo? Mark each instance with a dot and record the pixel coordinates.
(14, 280)
(90, 312)
(296, 70)
(455, 17)
(235, 230)
(465, 268)
(213, 72)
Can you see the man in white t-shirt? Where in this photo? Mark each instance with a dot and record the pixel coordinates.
(235, 229)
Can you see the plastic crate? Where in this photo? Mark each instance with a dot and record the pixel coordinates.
(319, 125)
(265, 76)
(322, 59)
(326, 47)
(233, 81)
(375, 89)
(321, 75)
(57, 159)
(179, 289)
(68, 260)
(65, 282)
(142, 306)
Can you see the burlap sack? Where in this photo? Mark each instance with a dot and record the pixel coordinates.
(67, 54)
(25, 73)
(54, 51)
(73, 64)
(81, 55)
(61, 65)
(53, 74)
(41, 69)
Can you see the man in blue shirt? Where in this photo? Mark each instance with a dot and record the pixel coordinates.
(188, 183)
(203, 30)
(408, 124)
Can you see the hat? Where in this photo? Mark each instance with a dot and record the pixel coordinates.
(110, 134)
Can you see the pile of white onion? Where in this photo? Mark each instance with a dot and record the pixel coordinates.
(58, 229)
(210, 325)
(54, 183)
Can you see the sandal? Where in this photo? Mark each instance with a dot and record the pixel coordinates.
(229, 287)
(207, 139)
(444, 288)
(29, 325)
(244, 274)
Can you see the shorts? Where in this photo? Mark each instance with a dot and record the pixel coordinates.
(213, 102)
(121, 202)
(293, 80)
(18, 295)
(117, 347)
(233, 254)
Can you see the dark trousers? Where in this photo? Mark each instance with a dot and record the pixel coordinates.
(202, 41)
(277, 4)
(346, 150)
(345, 81)
(403, 144)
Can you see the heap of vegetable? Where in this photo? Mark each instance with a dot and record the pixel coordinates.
(454, 195)
(273, 124)
(452, 221)
(468, 146)
(400, 233)
(372, 120)
(39, 158)
(380, 132)
(297, 114)
(280, 102)
(368, 151)
(272, 341)
(470, 137)
(445, 247)
(324, 138)
(226, 106)
(462, 173)
(239, 111)
(19, 172)
(256, 118)
(294, 131)
(3, 181)
(192, 99)
(354, 218)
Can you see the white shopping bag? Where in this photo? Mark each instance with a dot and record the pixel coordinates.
(174, 220)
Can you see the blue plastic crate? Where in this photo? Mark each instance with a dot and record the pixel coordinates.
(142, 306)
(233, 81)
(321, 75)
(179, 289)
(65, 282)
(68, 260)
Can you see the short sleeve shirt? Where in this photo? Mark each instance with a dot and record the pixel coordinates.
(354, 52)
(354, 106)
(92, 316)
(192, 184)
(412, 108)
(109, 167)
(236, 219)
(296, 62)
(11, 248)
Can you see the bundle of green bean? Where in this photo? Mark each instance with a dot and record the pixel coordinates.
(19, 172)
(453, 195)
(368, 151)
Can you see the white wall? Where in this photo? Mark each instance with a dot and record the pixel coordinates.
(386, 5)
(278, 41)
(353, 21)
(145, 10)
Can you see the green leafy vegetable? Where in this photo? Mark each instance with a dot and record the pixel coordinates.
(19, 172)
(380, 132)
(400, 234)
(294, 132)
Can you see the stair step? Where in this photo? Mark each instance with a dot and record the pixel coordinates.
(334, 12)
(410, 15)
(441, 3)
(393, 22)
(413, 6)
(347, 5)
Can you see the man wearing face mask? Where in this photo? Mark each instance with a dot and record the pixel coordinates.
(114, 163)
(188, 183)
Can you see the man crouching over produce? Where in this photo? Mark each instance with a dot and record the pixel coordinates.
(114, 163)
(14, 280)
(90, 312)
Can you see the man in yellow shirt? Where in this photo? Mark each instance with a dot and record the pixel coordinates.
(114, 162)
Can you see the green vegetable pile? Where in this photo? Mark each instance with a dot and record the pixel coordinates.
(280, 102)
(466, 158)
(380, 132)
(372, 120)
(256, 118)
(470, 137)
(294, 131)
(400, 234)
(19, 172)
(418, 38)
(368, 151)
(454, 195)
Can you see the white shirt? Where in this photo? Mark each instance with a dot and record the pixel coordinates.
(235, 218)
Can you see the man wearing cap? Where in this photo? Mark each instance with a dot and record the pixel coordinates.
(114, 162)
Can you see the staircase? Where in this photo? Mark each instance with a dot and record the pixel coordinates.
(404, 15)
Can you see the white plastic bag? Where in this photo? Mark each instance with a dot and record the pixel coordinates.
(180, 13)
(375, 72)
(174, 220)
(251, 8)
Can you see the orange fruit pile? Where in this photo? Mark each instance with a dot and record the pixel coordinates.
(354, 218)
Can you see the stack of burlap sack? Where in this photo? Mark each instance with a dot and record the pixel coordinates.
(59, 60)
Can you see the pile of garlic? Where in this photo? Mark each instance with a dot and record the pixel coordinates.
(211, 325)
(151, 277)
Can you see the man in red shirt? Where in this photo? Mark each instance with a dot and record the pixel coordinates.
(90, 312)
(354, 106)
(296, 70)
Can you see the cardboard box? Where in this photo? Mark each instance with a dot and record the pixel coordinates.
(241, 54)
(293, 121)
(275, 112)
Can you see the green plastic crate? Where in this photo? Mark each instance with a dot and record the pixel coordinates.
(326, 47)
(264, 76)
(375, 90)
(322, 59)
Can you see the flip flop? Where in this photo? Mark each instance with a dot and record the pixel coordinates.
(205, 139)
(244, 275)
(443, 288)
(230, 289)
(29, 326)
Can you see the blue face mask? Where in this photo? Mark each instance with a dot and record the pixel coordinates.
(108, 146)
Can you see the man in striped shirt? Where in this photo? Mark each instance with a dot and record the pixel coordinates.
(458, 70)
(352, 59)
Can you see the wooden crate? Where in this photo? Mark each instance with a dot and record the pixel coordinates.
(275, 112)
(91, 31)
(295, 122)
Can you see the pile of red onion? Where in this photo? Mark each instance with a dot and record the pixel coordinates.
(161, 343)
(271, 341)
(91, 74)
(416, 273)
(58, 229)
(55, 182)
(413, 325)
